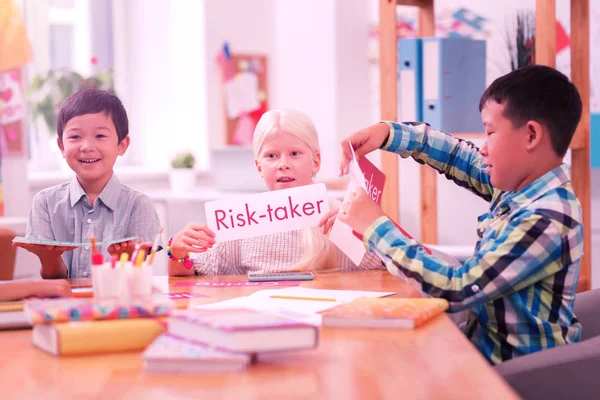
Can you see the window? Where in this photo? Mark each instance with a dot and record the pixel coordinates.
(65, 35)
(157, 54)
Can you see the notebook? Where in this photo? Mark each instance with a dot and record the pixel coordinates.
(232, 169)
(384, 313)
(169, 353)
(243, 330)
(49, 242)
(12, 315)
(97, 337)
(43, 311)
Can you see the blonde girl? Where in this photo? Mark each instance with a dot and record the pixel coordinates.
(287, 154)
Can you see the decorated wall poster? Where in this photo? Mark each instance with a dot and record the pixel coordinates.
(12, 113)
(244, 89)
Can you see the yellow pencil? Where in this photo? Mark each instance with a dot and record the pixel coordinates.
(7, 306)
(302, 298)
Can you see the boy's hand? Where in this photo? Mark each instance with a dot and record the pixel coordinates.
(195, 238)
(44, 252)
(363, 142)
(328, 219)
(51, 288)
(127, 247)
(359, 212)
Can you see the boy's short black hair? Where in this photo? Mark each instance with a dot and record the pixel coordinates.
(539, 93)
(93, 101)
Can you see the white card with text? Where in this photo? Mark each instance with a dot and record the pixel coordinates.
(341, 234)
(267, 213)
(366, 175)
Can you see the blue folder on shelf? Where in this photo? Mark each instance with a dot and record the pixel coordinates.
(409, 80)
(453, 81)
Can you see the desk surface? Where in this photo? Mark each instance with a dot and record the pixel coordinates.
(433, 362)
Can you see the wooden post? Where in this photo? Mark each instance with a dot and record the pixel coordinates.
(429, 226)
(545, 32)
(580, 145)
(388, 71)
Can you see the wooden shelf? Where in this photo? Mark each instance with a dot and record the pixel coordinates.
(545, 52)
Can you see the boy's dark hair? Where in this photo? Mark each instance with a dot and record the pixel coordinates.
(539, 93)
(93, 101)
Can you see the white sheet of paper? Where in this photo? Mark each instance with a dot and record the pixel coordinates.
(299, 310)
(341, 234)
(241, 94)
(267, 213)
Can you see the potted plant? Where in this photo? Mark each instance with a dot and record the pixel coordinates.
(48, 91)
(183, 175)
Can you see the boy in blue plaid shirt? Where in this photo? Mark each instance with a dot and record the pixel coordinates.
(521, 281)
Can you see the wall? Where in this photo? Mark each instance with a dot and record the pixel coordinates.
(248, 27)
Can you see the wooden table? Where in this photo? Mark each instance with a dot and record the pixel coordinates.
(435, 361)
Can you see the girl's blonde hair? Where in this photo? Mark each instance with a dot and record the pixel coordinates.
(317, 249)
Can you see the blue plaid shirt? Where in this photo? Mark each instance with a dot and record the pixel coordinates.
(521, 281)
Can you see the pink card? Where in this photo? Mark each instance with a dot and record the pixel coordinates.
(185, 295)
(234, 284)
(374, 179)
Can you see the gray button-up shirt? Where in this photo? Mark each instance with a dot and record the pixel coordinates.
(63, 213)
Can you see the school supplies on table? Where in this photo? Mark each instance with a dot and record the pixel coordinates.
(44, 311)
(169, 353)
(97, 337)
(384, 313)
(47, 242)
(243, 330)
(12, 315)
(124, 280)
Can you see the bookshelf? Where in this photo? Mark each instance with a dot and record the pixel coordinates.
(545, 48)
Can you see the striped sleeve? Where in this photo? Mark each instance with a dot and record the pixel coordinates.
(528, 250)
(457, 159)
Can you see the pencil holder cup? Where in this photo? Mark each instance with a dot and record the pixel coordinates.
(123, 281)
(140, 280)
(107, 281)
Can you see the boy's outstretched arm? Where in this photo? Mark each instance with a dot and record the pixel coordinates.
(529, 249)
(457, 159)
(39, 226)
(21, 289)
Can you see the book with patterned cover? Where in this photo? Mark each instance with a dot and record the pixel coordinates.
(242, 330)
(44, 311)
(384, 313)
(170, 353)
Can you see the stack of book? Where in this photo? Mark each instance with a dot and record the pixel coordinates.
(224, 340)
(80, 326)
